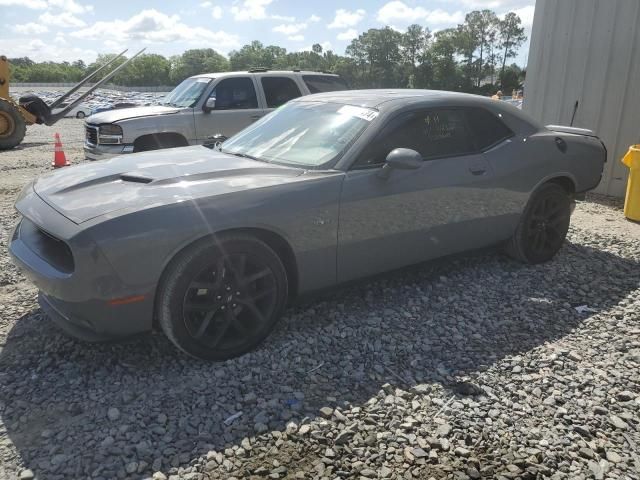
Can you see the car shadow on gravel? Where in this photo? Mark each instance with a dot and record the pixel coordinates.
(125, 410)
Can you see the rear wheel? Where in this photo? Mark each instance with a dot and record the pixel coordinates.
(12, 125)
(220, 300)
(80, 115)
(543, 226)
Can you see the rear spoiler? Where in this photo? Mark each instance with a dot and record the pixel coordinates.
(572, 130)
(585, 132)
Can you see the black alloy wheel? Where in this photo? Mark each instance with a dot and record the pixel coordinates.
(220, 299)
(543, 226)
(229, 301)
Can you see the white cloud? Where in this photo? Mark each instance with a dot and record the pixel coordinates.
(296, 38)
(41, 51)
(250, 10)
(216, 12)
(256, 10)
(151, 26)
(206, 4)
(32, 4)
(282, 18)
(348, 35)
(30, 28)
(62, 20)
(526, 15)
(345, 18)
(290, 28)
(483, 3)
(70, 6)
(314, 18)
(397, 11)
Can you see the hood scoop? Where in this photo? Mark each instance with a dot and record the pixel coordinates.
(134, 178)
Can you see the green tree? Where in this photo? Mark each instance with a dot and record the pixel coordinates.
(256, 55)
(195, 61)
(511, 37)
(415, 43)
(476, 38)
(148, 69)
(511, 78)
(447, 74)
(377, 52)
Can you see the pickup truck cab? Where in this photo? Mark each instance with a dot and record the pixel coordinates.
(202, 109)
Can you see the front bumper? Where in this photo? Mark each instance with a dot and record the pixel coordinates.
(103, 152)
(73, 326)
(86, 298)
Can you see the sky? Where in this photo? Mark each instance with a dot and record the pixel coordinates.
(58, 30)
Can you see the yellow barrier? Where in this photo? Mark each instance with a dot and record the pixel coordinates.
(632, 199)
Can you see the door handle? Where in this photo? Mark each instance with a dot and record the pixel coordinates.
(255, 117)
(477, 170)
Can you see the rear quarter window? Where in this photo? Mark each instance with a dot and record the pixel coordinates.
(324, 83)
(279, 90)
(486, 128)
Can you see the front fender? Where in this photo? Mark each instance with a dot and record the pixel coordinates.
(182, 123)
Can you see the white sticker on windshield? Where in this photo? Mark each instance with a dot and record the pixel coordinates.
(359, 112)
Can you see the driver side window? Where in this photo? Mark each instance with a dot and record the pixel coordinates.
(235, 94)
(434, 133)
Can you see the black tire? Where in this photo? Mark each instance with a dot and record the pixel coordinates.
(221, 298)
(80, 115)
(543, 225)
(12, 125)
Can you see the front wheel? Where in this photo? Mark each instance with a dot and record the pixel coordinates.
(543, 225)
(219, 299)
(80, 115)
(12, 126)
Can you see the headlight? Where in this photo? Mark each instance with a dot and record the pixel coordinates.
(110, 134)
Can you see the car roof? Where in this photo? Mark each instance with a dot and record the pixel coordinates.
(263, 72)
(376, 98)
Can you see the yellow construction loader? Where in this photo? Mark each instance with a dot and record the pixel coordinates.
(30, 109)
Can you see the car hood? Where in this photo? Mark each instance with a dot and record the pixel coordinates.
(112, 116)
(143, 180)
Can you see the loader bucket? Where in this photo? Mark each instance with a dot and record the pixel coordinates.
(53, 118)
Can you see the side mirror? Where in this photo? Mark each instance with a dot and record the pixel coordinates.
(401, 159)
(210, 104)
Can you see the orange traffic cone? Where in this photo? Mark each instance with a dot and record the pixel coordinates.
(59, 159)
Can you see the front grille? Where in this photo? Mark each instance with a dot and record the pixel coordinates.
(91, 134)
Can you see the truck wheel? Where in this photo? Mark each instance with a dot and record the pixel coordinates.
(543, 225)
(12, 125)
(219, 299)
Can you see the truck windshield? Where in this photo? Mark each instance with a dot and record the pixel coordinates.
(309, 134)
(187, 93)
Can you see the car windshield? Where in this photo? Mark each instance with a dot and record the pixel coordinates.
(187, 93)
(301, 133)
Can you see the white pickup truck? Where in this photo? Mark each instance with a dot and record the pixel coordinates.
(203, 108)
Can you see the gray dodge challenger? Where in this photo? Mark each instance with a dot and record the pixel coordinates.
(211, 244)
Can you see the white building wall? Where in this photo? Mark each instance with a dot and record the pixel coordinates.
(588, 51)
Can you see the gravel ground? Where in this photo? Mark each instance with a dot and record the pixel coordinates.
(472, 367)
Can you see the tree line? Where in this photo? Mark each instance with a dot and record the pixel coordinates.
(472, 57)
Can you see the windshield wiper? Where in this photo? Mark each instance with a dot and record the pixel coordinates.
(242, 155)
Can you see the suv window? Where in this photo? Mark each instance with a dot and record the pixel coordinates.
(279, 90)
(433, 133)
(324, 83)
(235, 94)
(487, 129)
